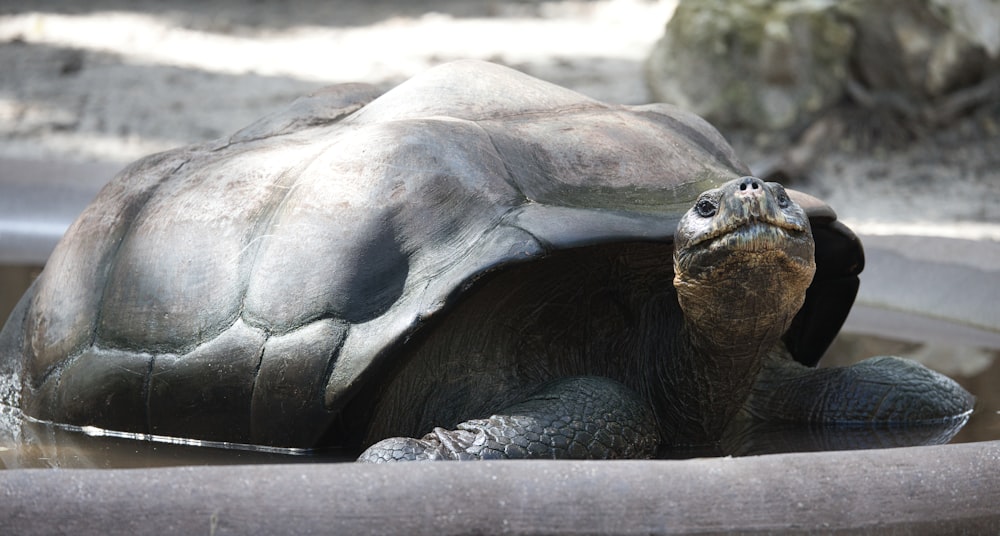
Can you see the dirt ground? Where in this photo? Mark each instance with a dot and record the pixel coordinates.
(114, 81)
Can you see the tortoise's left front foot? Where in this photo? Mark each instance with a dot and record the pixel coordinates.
(879, 390)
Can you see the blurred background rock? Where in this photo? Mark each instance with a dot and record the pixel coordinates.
(778, 64)
(898, 100)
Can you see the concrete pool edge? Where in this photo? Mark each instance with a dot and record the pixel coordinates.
(939, 489)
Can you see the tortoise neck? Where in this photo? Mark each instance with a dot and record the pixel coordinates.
(739, 308)
(729, 324)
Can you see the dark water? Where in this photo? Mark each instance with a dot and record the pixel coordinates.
(971, 359)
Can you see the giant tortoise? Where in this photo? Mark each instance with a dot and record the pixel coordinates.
(475, 264)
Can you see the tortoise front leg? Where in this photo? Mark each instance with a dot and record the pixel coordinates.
(576, 418)
(878, 390)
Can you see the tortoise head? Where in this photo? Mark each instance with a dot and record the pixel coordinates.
(744, 256)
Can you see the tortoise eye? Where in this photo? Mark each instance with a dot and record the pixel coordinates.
(705, 207)
(783, 200)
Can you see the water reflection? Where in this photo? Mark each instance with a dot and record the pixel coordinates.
(25, 443)
(984, 425)
(755, 438)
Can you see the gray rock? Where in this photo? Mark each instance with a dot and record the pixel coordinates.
(775, 64)
(924, 59)
(762, 65)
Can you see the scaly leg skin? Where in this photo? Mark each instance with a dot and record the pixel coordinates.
(575, 418)
(879, 390)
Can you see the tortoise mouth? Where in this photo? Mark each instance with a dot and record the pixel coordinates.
(754, 235)
(751, 245)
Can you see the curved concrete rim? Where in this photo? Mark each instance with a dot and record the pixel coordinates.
(939, 489)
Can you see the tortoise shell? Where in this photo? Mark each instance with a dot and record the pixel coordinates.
(248, 289)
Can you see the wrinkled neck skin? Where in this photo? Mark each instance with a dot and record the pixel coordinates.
(738, 308)
(735, 311)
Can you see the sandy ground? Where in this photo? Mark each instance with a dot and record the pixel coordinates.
(110, 83)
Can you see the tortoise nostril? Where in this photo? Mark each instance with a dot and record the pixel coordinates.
(750, 183)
